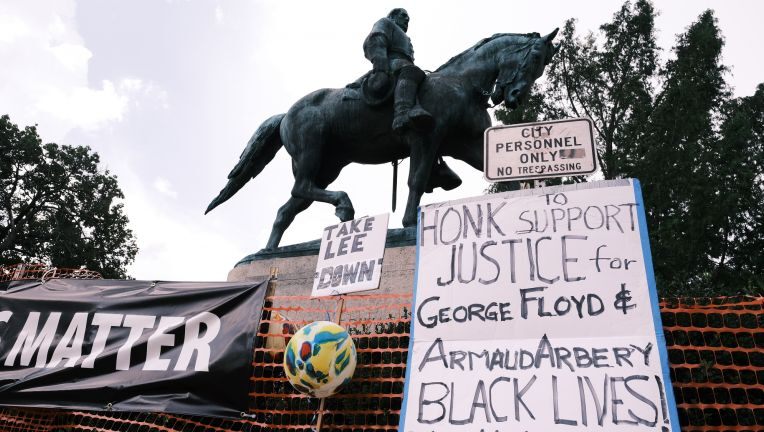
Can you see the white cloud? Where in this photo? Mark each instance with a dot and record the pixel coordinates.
(12, 28)
(60, 26)
(92, 108)
(48, 82)
(72, 56)
(173, 247)
(83, 107)
(219, 17)
(163, 186)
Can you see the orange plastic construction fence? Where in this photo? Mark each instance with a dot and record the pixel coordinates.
(716, 350)
(716, 353)
(44, 272)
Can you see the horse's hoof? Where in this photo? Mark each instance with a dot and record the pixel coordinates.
(409, 222)
(270, 247)
(345, 213)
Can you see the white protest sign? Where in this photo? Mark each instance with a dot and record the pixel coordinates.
(539, 150)
(350, 258)
(536, 310)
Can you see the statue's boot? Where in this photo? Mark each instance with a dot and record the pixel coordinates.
(407, 114)
(442, 177)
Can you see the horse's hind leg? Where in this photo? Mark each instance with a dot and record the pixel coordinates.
(297, 204)
(311, 179)
(284, 218)
(309, 190)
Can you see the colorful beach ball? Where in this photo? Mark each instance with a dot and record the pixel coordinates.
(320, 359)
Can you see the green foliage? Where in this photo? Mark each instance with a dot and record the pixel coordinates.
(679, 161)
(737, 206)
(608, 82)
(57, 208)
(697, 152)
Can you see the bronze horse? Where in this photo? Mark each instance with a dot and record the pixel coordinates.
(331, 128)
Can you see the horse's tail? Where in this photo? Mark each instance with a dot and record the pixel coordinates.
(260, 150)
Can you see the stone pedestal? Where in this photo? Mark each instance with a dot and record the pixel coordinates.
(297, 265)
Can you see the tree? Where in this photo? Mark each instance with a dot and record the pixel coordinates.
(739, 196)
(678, 158)
(697, 152)
(56, 207)
(611, 83)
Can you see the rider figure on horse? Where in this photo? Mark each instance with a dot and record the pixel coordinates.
(391, 53)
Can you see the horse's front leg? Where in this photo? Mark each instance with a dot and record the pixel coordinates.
(423, 154)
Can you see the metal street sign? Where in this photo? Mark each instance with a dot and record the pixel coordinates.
(539, 150)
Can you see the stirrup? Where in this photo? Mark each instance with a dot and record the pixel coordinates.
(416, 118)
(401, 122)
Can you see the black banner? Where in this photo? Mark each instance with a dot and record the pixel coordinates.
(174, 347)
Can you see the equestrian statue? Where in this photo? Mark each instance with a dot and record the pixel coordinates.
(392, 112)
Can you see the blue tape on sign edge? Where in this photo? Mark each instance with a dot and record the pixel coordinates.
(662, 351)
(402, 421)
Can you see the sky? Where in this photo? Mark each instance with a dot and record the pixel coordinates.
(169, 91)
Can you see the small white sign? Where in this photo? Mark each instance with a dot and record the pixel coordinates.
(539, 150)
(350, 258)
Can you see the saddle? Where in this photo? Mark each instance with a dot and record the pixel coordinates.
(360, 89)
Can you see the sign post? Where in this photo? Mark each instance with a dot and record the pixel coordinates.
(539, 150)
(537, 310)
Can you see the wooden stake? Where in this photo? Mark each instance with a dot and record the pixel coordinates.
(338, 313)
(322, 404)
(274, 276)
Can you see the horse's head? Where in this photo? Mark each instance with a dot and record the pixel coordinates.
(519, 68)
